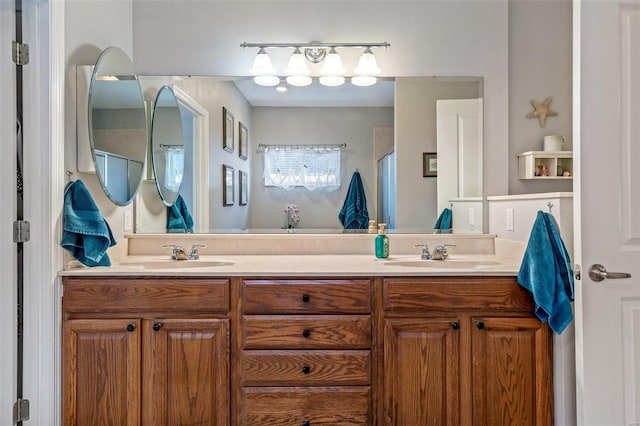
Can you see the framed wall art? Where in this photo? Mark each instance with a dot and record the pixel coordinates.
(243, 184)
(243, 140)
(227, 130)
(429, 164)
(228, 186)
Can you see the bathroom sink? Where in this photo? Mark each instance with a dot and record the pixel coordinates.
(175, 264)
(445, 264)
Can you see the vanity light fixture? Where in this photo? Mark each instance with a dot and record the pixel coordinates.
(332, 72)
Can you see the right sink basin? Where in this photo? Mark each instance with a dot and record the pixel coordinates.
(445, 264)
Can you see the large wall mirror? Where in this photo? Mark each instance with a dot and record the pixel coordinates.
(402, 118)
(167, 145)
(117, 125)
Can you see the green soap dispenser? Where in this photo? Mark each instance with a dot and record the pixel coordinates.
(382, 242)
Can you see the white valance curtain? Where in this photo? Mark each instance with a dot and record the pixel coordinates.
(312, 167)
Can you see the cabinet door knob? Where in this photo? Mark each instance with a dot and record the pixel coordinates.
(156, 326)
(306, 369)
(480, 325)
(455, 325)
(306, 332)
(305, 298)
(306, 423)
(131, 327)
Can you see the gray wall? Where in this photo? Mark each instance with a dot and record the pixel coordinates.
(318, 209)
(540, 65)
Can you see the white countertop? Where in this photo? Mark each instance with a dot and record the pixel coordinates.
(301, 265)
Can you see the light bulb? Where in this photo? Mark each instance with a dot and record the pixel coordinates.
(363, 80)
(332, 64)
(297, 64)
(266, 80)
(299, 80)
(262, 64)
(367, 65)
(332, 80)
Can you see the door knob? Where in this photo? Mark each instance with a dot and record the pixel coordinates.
(598, 273)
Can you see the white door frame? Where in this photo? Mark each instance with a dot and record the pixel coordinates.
(200, 158)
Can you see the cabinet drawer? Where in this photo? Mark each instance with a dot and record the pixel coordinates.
(319, 406)
(306, 368)
(134, 294)
(492, 294)
(306, 332)
(308, 296)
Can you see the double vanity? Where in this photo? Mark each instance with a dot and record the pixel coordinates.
(334, 336)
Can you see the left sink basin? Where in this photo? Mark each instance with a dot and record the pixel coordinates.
(175, 264)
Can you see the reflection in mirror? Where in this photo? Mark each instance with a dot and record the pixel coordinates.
(167, 145)
(117, 126)
(400, 128)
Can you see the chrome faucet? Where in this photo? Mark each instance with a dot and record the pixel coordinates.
(194, 255)
(440, 251)
(178, 252)
(425, 251)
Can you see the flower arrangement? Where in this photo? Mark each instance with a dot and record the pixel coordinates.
(292, 216)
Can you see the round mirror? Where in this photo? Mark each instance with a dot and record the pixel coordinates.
(117, 126)
(167, 143)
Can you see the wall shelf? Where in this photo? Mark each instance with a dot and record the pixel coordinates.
(556, 163)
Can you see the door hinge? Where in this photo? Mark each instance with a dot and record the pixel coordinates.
(21, 231)
(21, 411)
(20, 53)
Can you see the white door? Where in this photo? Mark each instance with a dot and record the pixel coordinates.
(459, 142)
(608, 110)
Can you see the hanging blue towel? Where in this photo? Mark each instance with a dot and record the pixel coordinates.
(444, 220)
(178, 217)
(353, 214)
(85, 233)
(546, 272)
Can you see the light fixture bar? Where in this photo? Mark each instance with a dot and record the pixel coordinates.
(313, 44)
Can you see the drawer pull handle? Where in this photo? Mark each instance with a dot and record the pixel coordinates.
(305, 298)
(455, 325)
(306, 332)
(156, 326)
(306, 369)
(306, 423)
(131, 327)
(480, 325)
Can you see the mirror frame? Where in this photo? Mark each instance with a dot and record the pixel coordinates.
(114, 66)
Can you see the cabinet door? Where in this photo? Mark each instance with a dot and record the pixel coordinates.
(186, 372)
(421, 372)
(101, 372)
(512, 377)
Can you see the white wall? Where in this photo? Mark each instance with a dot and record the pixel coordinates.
(91, 27)
(415, 131)
(304, 126)
(540, 65)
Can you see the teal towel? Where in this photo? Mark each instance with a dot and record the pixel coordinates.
(178, 217)
(354, 214)
(444, 220)
(85, 233)
(546, 272)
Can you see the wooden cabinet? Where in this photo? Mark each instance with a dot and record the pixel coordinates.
(464, 351)
(145, 352)
(240, 351)
(305, 352)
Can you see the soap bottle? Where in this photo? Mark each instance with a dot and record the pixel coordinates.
(372, 227)
(382, 242)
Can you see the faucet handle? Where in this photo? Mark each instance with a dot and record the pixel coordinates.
(176, 249)
(194, 255)
(425, 251)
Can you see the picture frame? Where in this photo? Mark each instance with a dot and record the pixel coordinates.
(227, 130)
(243, 184)
(429, 164)
(228, 187)
(243, 140)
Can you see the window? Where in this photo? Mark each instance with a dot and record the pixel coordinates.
(312, 167)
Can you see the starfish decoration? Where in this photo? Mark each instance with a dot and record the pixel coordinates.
(542, 111)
